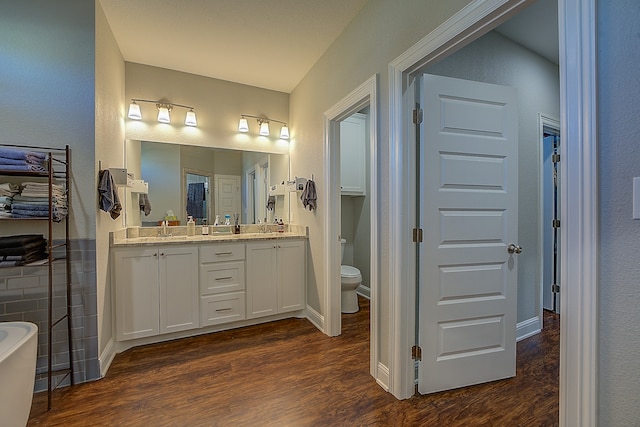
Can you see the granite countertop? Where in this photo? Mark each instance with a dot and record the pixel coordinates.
(122, 238)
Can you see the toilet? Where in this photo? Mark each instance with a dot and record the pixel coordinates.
(350, 279)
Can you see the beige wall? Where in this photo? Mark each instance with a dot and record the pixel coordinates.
(109, 152)
(218, 105)
(381, 32)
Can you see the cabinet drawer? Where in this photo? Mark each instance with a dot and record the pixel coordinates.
(221, 308)
(217, 253)
(222, 277)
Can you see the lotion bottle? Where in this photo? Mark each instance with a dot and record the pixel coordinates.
(205, 227)
(191, 227)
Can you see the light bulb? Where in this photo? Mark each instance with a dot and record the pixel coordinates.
(190, 120)
(134, 111)
(284, 132)
(243, 126)
(264, 128)
(163, 115)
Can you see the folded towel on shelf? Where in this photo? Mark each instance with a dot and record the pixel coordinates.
(108, 194)
(28, 167)
(145, 204)
(9, 189)
(16, 153)
(309, 196)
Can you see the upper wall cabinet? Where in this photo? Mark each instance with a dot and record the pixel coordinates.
(353, 139)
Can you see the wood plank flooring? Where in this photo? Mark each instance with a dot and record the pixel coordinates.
(287, 373)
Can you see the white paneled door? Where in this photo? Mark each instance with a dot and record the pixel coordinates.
(468, 211)
(227, 195)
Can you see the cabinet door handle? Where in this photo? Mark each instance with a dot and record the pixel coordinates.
(162, 254)
(223, 309)
(224, 253)
(224, 278)
(156, 254)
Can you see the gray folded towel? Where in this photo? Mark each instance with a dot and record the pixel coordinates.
(145, 204)
(309, 196)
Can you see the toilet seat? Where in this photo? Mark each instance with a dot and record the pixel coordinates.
(349, 274)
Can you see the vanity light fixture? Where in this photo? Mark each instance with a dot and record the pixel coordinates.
(263, 122)
(164, 111)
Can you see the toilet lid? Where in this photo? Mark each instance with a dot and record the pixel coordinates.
(349, 271)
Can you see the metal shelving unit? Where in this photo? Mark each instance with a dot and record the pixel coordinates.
(58, 171)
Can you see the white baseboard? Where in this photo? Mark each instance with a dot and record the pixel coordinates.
(316, 318)
(106, 357)
(528, 328)
(382, 376)
(365, 291)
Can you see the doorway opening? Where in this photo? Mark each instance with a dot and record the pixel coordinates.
(362, 99)
(550, 208)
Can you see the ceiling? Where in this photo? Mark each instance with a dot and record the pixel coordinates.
(270, 44)
(266, 43)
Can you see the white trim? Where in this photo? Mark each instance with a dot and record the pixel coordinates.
(316, 318)
(382, 377)
(579, 211)
(577, 18)
(363, 95)
(548, 121)
(364, 291)
(106, 357)
(528, 328)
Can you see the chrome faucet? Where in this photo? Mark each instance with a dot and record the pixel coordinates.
(163, 232)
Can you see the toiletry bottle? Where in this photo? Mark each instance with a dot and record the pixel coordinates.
(205, 227)
(227, 219)
(280, 226)
(217, 221)
(191, 226)
(236, 227)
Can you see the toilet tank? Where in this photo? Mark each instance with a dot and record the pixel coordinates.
(342, 243)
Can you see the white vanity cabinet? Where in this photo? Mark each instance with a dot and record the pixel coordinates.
(222, 284)
(276, 277)
(156, 290)
(353, 139)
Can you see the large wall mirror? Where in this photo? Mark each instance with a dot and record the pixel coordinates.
(204, 182)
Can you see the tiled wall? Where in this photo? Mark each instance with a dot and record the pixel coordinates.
(23, 297)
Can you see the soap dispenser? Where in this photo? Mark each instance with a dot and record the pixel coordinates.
(205, 227)
(191, 226)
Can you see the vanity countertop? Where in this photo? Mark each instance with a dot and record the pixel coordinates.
(119, 239)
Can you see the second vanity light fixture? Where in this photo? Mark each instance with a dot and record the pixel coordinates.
(164, 111)
(263, 122)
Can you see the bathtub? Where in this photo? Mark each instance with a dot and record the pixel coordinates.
(18, 351)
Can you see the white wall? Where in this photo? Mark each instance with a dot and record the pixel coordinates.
(619, 161)
(109, 137)
(381, 32)
(496, 59)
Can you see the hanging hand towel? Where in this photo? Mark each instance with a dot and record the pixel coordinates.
(271, 203)
(145, 204)
(309, 196)
(109, 200)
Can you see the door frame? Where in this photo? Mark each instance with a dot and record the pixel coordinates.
(550, 122)
(363, 95)
(578, 160)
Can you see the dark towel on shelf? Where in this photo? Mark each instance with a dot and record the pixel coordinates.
(195, 197)
(309, 196)
(145, 204)
(20, 240)
(109, 200)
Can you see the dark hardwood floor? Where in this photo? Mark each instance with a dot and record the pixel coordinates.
(287, 373)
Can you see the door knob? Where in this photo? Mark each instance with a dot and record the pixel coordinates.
(514, 249)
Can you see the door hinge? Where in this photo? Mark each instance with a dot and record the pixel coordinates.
(417, 235)
(417, 116)
(416, 353)
(555, 158)
(555, 223)
(555, 288)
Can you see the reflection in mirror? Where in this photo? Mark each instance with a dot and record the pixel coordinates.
(205, 182)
